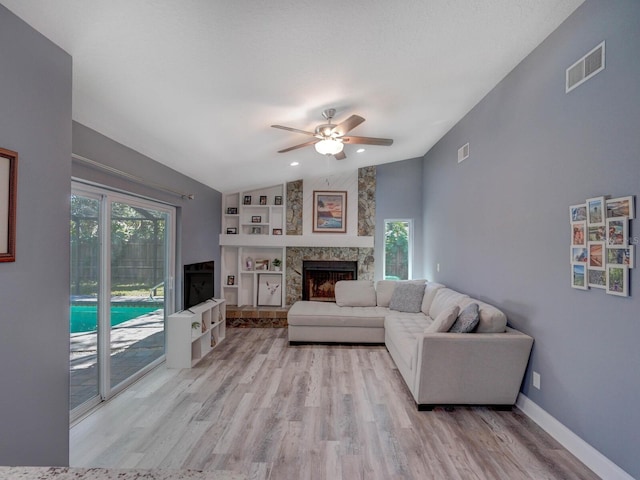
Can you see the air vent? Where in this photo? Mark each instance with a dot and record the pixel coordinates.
(585, 68)
(463, 152)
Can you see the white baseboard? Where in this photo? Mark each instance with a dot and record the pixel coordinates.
(588, 455)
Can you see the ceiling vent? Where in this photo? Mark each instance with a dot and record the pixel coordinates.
(463, 152)
(585, 68)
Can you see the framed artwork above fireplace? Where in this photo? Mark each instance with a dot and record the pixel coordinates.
(329, 212)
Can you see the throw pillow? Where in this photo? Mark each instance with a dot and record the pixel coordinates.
(444, 320)
(468, 319)
(407, 297)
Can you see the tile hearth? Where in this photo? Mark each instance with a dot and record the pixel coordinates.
(256, 317)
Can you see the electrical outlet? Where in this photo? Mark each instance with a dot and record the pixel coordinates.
(536, 380)
(437, 267)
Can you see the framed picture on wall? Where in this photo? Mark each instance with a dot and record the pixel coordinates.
(579, 254)
(621, 255)
(621, 207)
(578, 233)
(597, 233)
(596, 211)
(618, 280)
(8, 186)
(596, 255)
(578, 213)
(329, 212)
(578, 276)
(617, 231)
(597, 278)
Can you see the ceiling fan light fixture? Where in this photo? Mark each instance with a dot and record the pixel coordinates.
(329, 146)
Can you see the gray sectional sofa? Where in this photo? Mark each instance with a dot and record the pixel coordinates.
(412, 319)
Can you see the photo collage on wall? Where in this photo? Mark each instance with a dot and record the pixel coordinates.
(601, 250)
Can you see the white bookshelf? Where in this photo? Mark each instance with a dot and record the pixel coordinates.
(193, 333)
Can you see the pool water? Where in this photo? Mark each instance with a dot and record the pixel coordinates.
(84, 318)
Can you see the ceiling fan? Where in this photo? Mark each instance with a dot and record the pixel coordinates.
(329, 138)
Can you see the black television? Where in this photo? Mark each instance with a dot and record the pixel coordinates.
(198, 283)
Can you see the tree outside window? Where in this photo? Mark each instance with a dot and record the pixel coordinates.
(397, 249)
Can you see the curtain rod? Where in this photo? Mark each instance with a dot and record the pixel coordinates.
(134, 178)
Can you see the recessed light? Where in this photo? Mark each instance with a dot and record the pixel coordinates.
(294, 164)
(360, 150)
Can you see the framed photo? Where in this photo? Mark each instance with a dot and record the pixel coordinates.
(256, 230)
(617, 231)
(263, 199)
(579, 254)
(596, 211)
(621, 207)
(256, 219)
(8, 189)
(578, 213)
(247, 200)
(597, 278)
(597, 234)
(618, 280)
(269, 289)
(596, 255)
(277, 200)
(329, 212)
(621, 255)
(262, 264)
(232, 211)
(578, 233)
(231, 280)
(277, 231)
(232, 231)
(578, 276)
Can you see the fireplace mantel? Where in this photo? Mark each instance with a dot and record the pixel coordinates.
(319, 240)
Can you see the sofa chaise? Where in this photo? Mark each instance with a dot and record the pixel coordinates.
(412, 319)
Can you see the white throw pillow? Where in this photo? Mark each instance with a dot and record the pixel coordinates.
(444, 320)
(355, 293)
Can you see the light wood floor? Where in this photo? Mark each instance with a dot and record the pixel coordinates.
(257, 407)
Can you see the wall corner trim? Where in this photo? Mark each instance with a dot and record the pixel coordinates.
(588, 455)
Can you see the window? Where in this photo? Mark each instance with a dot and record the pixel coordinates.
(397, 249)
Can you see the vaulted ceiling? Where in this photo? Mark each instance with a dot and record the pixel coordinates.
(196, 84)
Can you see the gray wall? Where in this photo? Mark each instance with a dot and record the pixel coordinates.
(199, 220)
(399, 195)
(35, 121)
(498, 222)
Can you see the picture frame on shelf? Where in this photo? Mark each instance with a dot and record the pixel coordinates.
(231, 280)
(597, 278)
(263, 199)
(256, 230)
(621, 207)
(277, 200)
(618, 280)
(262, 264)
(578, 276)
(617, 231)
(8, 193)
(624, 255)
(596, 210)
(579, 254)
(277, 231)
(578, 233)
(596, 255)
(269, 290)
(232, 211)
(232, 231)
(246, 200)
(578, 213)
(256, 219)
(329, 211)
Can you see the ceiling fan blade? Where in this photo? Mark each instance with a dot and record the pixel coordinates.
(340, 155)
(293, 130)
(305, 144)
(368, 140)
(349, 124)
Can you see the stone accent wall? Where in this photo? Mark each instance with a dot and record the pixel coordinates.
(294, 207)
(296, 255)
(367, 201)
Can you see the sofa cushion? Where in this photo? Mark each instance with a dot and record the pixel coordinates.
(402, 329)
(444, 321)
(468, 319)
(429, 293)
(445, 297)
(492, 319)
(329, 314)
(355, 293)
(407, 297)
(385, 288)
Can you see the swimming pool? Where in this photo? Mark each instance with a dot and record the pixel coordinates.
(84, 318)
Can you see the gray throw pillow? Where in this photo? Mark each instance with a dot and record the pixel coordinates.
(468, 319)
(407, 297)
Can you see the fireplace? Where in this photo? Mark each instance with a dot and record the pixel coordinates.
(320, 276)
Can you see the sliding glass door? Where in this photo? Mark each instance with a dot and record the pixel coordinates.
(122, 273)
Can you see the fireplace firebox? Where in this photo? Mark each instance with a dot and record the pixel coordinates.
(319, 278)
